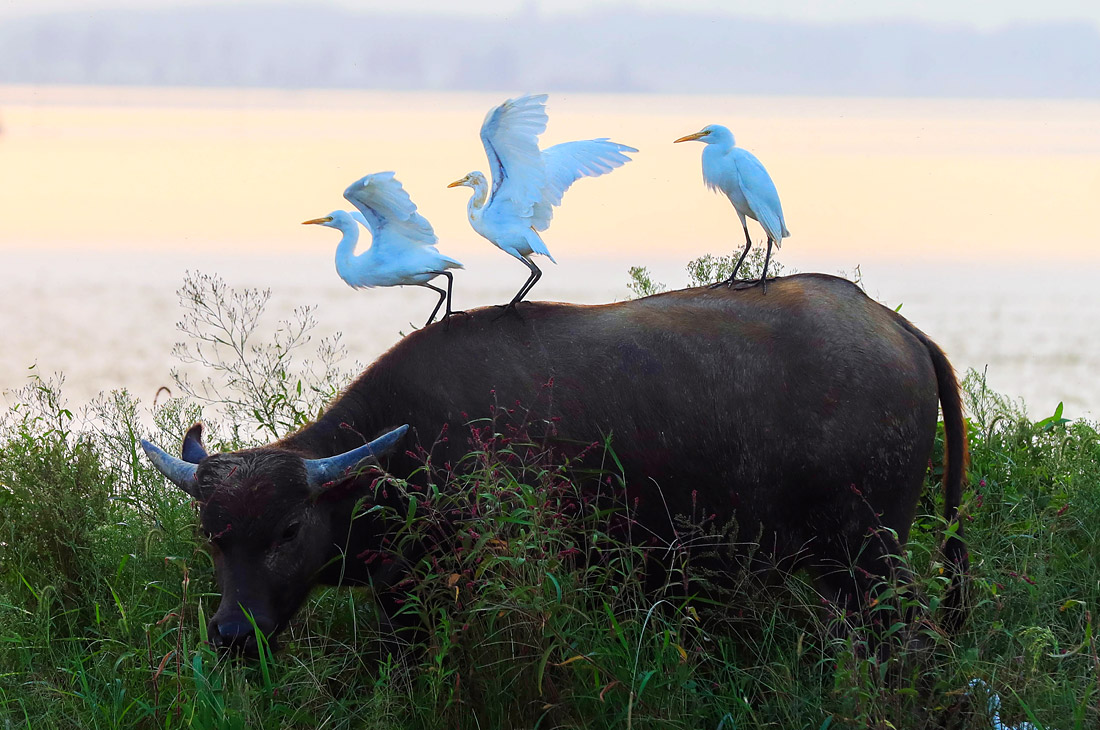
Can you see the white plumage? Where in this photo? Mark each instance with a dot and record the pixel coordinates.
(402, 251)
(527, 183)
(737, 173)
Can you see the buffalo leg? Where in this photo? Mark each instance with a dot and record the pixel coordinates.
(398, 630)
(872, 588)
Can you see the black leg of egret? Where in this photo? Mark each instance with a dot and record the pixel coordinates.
(741, 260)
(767, 257)
(450, 287)
(442, 296)
(536, 274)
(748, 245)
(737, 267)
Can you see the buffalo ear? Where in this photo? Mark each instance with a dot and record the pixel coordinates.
(193, 450)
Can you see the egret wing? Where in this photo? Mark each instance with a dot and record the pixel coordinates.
(761, 195)
(389, 212)
(570, 161)
(510, 134)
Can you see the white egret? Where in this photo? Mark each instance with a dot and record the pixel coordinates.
(742, 177)
(528, 182)
(402, 251)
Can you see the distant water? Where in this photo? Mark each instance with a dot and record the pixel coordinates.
(107, 320)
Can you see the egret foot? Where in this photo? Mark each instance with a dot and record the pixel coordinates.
(509, 308)
(735, 283)
(727, 283)
(761, 282)
(447, 318)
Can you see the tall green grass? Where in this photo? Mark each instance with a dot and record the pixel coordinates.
(105, 587)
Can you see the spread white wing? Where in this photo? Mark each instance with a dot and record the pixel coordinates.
(389, 212)
(527, 182)
(570, 161)
(510, 134)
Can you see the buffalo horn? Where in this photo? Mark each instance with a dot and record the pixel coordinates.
(179, 472)
(323, 471)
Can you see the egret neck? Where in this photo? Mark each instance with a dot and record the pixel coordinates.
(477, 201)
(717, 145)
(345, 251)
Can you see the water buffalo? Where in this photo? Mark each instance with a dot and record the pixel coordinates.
(808, 416)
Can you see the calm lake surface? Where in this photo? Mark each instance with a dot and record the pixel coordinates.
(975, 216)
(108, 320)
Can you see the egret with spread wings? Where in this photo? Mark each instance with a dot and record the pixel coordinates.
(528, 182)
(742, 177)
(402, 251)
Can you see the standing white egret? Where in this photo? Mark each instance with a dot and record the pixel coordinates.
(742, 177)
(402, 251)
(528, 182)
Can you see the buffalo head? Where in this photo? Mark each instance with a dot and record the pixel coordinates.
(270, 521)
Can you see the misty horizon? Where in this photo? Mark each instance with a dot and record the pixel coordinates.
(622, 50)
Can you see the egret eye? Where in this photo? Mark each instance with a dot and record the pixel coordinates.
(290, 532)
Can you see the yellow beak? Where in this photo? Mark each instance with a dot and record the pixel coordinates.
(690, 137)
(318, 221)
(456, 183)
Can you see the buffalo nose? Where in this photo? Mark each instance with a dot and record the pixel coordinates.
(237, 635)
(234, 630)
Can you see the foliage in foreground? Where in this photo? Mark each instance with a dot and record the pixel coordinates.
(104, 588)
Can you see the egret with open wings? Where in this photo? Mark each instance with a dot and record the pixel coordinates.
(402, 251)
(528, 182)
(738, 174)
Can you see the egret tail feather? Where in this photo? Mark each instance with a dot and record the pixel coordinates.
(534, 240)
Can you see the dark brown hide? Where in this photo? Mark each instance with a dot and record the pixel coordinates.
(808, 413)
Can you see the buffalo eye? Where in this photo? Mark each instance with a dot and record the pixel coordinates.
(290, 532)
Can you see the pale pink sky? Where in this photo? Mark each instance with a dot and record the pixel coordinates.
(229, 170)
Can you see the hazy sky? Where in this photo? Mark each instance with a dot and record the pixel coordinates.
(981, 13)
